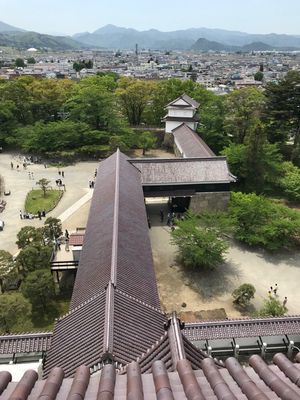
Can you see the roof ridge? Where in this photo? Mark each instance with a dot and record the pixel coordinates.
(22, 334)
(290, 318)
(145, 353)
(139, 301)
(114, 250)
(79, 306)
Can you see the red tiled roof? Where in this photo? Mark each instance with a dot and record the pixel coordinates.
(115, 310)
(225, 329)
(76, 239)
(25, 343)
(259, 381)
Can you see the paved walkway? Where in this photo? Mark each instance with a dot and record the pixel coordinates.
(18, 182)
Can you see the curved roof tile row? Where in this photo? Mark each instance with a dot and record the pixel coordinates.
(259, 381)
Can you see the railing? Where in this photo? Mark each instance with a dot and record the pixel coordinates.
(64, 265)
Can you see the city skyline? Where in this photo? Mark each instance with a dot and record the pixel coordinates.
(76, 16)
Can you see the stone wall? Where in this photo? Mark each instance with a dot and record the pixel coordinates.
(209, 201)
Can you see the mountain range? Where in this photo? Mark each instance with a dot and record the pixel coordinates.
(114, 37)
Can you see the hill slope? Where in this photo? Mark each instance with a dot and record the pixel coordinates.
(25, 40)
(115, 37)
(9, 28)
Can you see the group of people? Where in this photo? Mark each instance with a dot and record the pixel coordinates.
(274, 291)
(27, 215)
(60, 241)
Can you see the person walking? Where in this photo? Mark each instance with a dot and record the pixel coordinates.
(162, 216)
(67, 234)
(21, 214)
(284, 302)
(62, 174)
(275, 289)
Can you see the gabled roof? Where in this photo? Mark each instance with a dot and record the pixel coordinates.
(183, 171)
(184, 98)
(116, 246)
(190, 144)
(115, 310)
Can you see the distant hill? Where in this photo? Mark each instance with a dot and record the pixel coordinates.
(114, 37)
(207, 45)
(25, 40)
(9, 28)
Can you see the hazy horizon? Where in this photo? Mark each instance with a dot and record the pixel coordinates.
(74, 16)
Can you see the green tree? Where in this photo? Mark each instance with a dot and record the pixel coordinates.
(134, 96)
(259, 76)
(95, 105)
(243, 294)
(39, 289)
(147, 141)
(6, 267)
(13, 308)
(29, 235)
(272, 308)
(242, 108)
(117, 142)
(18, 92)
(19, 63)
(31, 60)
(256, 163)
(261, 222)
(290, 182)
(52, 229)
(199, 247)
(33, 257)
(212, 118)
(56, 136)
(282, 109)
(44, 185)
(8, 121)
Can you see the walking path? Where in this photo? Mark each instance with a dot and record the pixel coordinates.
(77, 194)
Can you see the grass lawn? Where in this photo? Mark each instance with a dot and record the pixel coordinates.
(35, 200)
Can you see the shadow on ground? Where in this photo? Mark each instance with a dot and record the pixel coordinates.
(211, 283)
(289, 257)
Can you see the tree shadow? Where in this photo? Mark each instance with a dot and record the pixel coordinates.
(289, 257)
(211, 283)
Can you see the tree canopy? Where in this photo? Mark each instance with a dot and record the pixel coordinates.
(199, 246)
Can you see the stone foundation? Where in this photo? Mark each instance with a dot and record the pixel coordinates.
(210, 201)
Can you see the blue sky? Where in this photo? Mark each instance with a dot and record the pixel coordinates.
(72, 16)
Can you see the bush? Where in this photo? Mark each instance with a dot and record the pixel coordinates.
(290, 183)
(261, 222)
(199, 247)
(243, 294)
(272, 308)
